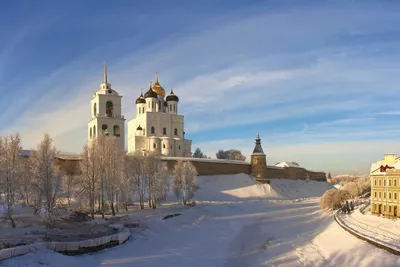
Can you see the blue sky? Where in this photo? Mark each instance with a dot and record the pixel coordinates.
(319, 80)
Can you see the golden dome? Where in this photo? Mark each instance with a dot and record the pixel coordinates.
(158, 88)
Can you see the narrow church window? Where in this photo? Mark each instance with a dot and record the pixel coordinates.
(94, 110)
(109, 108)
(148, 104)
(375, 182)
(380, 194)
(142, 109)
(395, 196)
(159, 105)
(390, 182)
(175, 131)
(394, 183)
(152, 130)
(163, 145)
(90, 134)
(170, 107)
(154, 145)
(94, 131)
(164, 130)
(116, 131)
(174, 107)
(152, 104)
(375, 194)
(171, 146)
(179, 147)
(390, 195)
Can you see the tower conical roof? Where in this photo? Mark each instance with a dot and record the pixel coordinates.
(258, 149)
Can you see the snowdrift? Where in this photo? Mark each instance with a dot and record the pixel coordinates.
(243, 186)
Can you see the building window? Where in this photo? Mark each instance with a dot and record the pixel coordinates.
(390, 195)
(171, 146)
(152, 104)
(175, 131)
(179, 147)
(375, 194)
(90, 134)
(384, 195)
(159, 105)
(116, 131)
(164, 131)
(148, 104)
(163, 145)
(95, 110)
(390, 182)
(104, 128)
(380, 194)
(94, 131)
(390, 208)
(153, 131)
(109, 108)
(154, 145)
(174, 107)
(380, 182)
(384, 182)
(142, 109)
(394, 196)
(394, 183)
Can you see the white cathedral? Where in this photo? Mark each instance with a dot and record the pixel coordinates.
(157, 127)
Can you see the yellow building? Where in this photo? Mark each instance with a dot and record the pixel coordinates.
(385, 186)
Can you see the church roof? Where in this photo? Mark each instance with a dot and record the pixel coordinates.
(258, 149)
(172, 97)
(150, 93)
(140, 99)
(158, 88)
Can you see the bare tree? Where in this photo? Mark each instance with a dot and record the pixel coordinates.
(112, 159)
(12, 166)
(134, 169)
(70, 179)
(47, 176)
(89, 175)
(185, 180)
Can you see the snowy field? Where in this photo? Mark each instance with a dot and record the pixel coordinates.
(236, 222)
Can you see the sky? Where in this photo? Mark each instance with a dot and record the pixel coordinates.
(318, 80)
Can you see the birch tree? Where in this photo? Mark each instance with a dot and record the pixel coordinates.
(185, 180)
(112, 159)
(12, 169)
(134, 169)
(47, 177)
(89, 175)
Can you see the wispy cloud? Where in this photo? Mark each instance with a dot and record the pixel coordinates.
(315, 78)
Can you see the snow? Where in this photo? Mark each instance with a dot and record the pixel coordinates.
(236, 222)
(379, 229)
(286, 164)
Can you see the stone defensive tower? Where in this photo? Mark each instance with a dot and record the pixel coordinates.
(259, 162)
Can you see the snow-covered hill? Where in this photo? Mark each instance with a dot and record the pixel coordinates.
(232, 187)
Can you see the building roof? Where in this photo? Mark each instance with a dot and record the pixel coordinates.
(390, 161)
(258, 148)
(287, 164)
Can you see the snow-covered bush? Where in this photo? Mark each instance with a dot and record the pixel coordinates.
(333, 199)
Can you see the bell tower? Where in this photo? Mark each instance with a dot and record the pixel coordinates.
(259, 162)
(106, 113)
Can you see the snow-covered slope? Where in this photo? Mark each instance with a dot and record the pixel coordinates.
(232, 187)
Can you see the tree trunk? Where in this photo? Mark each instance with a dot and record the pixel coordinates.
(154, 204)
(12, 220)
(112, 209)
(126, 206)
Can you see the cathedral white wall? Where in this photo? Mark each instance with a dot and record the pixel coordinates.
(174, 144)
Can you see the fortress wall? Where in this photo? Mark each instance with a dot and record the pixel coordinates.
(213, 167)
